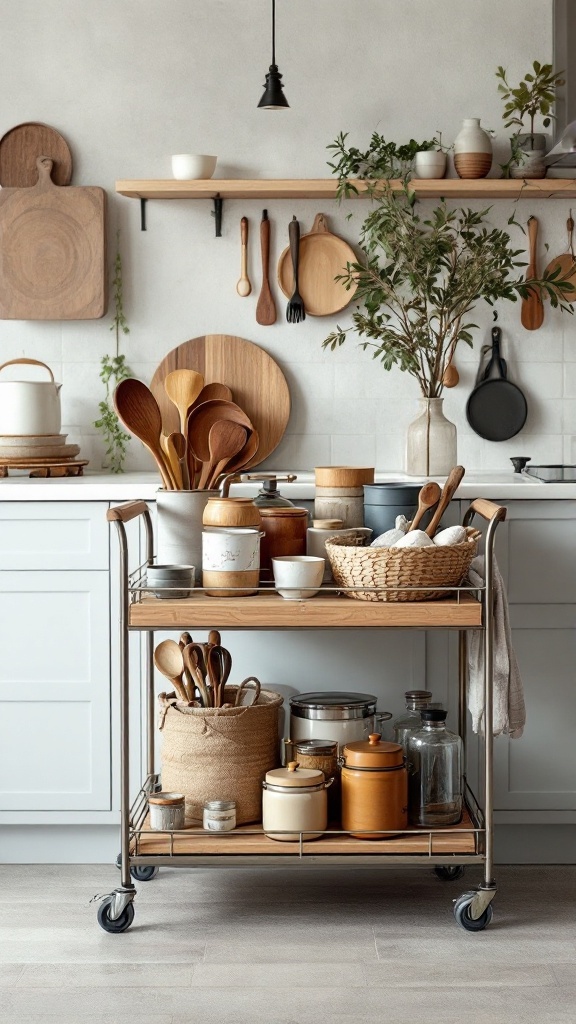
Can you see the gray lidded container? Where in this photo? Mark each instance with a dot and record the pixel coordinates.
(383, 502)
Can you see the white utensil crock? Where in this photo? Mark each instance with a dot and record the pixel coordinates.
(179, 527)
(29, 406)
(231, 549)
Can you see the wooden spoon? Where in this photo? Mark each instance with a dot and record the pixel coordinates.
(191, 663)
(167, 446)
(139, 412)
(246, 455)
(213, 391)
(532, 312)
(169, 660)
(244, 287)
(266, 308)
(565, 264)
(225, 440)
(451, 376)
(183, 388)
(428, 497)
(178, 447)
(450, 487)
(201, 419)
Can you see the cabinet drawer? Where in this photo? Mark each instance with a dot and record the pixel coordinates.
(53, 535)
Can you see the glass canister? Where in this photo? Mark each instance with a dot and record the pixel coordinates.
(293, 802)
(435, 784)
(322, 755)
(284, 534)
(219, 815)
(410, 721)
(374, 788)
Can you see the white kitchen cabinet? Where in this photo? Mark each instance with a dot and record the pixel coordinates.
(53, 535)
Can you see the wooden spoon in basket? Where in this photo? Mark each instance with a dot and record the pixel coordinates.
(428, 497)
(450, 487)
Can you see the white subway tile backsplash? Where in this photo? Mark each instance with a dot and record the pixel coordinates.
(570, 380)
(354, 449)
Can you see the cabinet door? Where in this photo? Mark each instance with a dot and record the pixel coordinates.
(53, 535)
(54, 691)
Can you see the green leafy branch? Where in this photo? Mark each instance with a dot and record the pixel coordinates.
(114, 369)
(381, 161)
(535, 95)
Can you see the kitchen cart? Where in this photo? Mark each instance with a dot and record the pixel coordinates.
(448, 849)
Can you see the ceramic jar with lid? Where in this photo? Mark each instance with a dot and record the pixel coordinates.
(284, 534)
(231, 561)
(374, 783)
(294, 803)
(339, 493)
(235, 512)
(334, 715)
(472, 150)
(167, 811)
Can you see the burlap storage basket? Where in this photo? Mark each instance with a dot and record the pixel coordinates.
(431, 566)
(218, 754)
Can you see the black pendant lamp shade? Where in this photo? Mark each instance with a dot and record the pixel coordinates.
(273, 98)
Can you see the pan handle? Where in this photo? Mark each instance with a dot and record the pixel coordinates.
(496, 359)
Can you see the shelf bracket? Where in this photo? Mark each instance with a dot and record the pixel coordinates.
(143, 213)
(217, 214)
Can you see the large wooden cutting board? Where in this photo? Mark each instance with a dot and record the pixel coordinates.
(257, 383)
(52, 251)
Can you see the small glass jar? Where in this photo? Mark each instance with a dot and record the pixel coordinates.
(323, 756)
(167, 811)
(435, 781)
(410, 722)
(219, 815)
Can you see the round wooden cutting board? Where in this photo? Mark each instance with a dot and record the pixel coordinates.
(20, 148)
(258, 385)
(323, 256)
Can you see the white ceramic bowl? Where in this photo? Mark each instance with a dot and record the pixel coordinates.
(189, 166)
(301, 575)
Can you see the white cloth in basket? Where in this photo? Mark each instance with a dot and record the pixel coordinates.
(509, 707)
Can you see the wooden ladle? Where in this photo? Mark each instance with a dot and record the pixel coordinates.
(183, 388)
(450, 487)
(428, 497)
(204, 416)
(139, 411)
(225, 440)
(169, 660)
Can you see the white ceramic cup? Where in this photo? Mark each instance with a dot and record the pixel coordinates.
(230, 549)
(189, 166)
(298, 573)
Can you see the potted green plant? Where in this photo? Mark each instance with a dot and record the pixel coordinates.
(532, 98)
(417, 285)
(382, 160)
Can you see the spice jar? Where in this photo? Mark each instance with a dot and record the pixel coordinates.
(284, 534)
(294, 802)
(166, 811)
(219, 815)
(374, 788)
(322, 755)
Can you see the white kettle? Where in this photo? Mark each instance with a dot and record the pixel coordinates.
(29, 406)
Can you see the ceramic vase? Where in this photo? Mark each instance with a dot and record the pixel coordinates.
(430, 163)
(431, 441)
(530, 163)
(472, 150)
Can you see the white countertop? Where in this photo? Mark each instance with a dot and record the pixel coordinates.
(128, 486)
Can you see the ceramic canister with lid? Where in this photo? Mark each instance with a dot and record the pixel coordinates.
(334, 715)
(294, 803)
(339, 493)
(284, 534)
(235, 512)
(230, 561)
(29, 407)
(374, 782)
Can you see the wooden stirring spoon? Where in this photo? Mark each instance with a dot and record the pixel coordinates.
(244, 287)
(139, 412)
(428, 497)
(169, 660)
(450, 487)
(451, 377)
(225, 440)
(183, 388)
(532, 311)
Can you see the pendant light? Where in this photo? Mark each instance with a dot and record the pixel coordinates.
(273, 98)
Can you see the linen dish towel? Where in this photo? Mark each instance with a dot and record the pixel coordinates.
(509, 707)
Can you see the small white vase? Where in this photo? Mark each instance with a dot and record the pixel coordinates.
(430, 441)
(472, 150)
(430, 163)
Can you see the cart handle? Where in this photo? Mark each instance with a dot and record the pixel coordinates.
(124, 513)
(487, 509)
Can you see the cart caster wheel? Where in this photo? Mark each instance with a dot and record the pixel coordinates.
(143, 872)
(121, 924)
(449, 873)
(462, 914)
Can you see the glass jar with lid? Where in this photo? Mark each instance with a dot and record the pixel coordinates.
(435, 781)
(410, 721)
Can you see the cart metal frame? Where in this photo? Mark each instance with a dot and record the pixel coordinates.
(472, 909)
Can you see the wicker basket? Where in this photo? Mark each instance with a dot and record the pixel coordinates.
(430, 566)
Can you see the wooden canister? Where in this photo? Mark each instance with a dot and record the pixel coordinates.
(284, 534)
(231, 512)
(374, 784)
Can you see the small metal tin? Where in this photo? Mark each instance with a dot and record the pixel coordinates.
(219, 815)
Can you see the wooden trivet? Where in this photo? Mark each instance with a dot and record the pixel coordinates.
(45, 469)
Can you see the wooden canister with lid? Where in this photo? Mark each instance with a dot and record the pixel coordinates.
(284, 534)
(340, 493)
(374, 781)
(238, 512)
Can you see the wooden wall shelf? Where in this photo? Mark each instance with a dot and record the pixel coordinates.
(325, 188)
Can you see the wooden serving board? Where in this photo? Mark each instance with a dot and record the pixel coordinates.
(323, 256)
(20, 148)
(45, 468)
(258, 385)
(52, 251)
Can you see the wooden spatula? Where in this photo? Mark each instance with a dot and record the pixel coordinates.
(532, 312)
(450, 487)
(266, 309)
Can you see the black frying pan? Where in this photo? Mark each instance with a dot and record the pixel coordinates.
(496, 408)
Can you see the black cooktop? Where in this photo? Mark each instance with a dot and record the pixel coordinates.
(553, 474)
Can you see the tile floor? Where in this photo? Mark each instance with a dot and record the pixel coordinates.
(286, 947)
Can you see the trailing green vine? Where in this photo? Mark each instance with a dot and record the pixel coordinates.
(113, 369)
